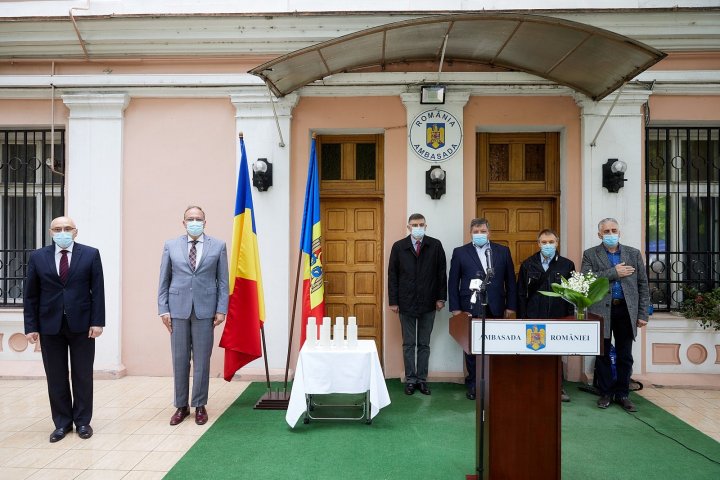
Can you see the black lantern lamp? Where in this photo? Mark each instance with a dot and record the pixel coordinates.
(435, 182)
(614, 175)
(262, 174)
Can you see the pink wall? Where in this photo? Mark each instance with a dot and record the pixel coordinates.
(33, 113)
(381, 114)
(681, 108)
(177, 152)
(525, 114)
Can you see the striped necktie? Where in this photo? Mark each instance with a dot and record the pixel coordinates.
(193, 255)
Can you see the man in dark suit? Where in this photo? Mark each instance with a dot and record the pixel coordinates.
(624, 308)
(417, 287)
(487, 261)
(64, 305)
(537, 273)
(192, 301)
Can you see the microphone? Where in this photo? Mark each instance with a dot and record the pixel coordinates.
(489, 271)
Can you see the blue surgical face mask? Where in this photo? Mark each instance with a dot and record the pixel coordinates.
(611, 240)
(479, 239)
(63, 239)
(194, 227)
(548, 250)
(418, 233)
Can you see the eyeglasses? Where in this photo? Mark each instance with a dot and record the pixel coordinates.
(194, 219)
(62, 229)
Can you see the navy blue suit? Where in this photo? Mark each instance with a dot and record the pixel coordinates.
(62, 314)
(465, 265)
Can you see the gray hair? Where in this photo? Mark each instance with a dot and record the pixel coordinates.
(479, 222)
(549, 231)
(607, 220)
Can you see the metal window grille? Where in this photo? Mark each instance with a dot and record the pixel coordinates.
(682, 201)
(32, 193)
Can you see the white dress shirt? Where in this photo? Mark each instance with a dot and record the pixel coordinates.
(198, 248)
(481, 253)
(58, 256)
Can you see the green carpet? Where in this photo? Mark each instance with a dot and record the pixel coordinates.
(433, 438)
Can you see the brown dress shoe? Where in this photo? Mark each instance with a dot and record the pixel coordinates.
(201, 416)
(179, 415)
(604, 401)
(627, 404)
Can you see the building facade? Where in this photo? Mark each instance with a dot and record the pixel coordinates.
(121, 114)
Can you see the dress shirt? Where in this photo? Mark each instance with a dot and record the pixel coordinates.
(615, 286)
(413, 241)
(198, 248)
(545, 262)
(481, 253)
(58, 256)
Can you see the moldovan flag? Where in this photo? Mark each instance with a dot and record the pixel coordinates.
(313, 288)
(246, 309)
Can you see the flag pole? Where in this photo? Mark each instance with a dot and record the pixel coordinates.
(292, 319)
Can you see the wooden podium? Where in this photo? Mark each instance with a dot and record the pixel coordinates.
(522, 399)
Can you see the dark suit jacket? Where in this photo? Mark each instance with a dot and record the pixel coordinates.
(82, 298)
(533, 279)
(465, 265)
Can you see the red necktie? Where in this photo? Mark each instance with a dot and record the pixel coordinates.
(417, 248)
(193, 255)
(64, 266)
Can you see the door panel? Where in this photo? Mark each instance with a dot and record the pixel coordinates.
(353, 262)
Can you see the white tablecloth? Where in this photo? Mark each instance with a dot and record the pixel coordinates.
(323, 370)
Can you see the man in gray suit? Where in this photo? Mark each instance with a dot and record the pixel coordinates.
(624, 308)
(192, 300)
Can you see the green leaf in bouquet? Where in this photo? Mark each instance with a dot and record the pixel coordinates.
(598, 290)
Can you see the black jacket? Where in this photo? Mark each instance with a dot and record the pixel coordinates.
(416, 282)
(532, 278)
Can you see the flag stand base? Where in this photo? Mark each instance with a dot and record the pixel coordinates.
(276, 400)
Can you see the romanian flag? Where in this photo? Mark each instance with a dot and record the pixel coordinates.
(246, 309)
(313, 287)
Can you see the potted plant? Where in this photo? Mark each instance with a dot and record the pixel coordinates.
(582, 290)
(702, 306)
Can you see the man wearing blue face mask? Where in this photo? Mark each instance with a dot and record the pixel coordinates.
(417, 288)
(484, 260)
(537, 273)
(64, 307)
(192, 301)
(624, 308)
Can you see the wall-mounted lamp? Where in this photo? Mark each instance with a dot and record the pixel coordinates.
(432, 94)
(435, 182)
(614, 175)
(262, 174)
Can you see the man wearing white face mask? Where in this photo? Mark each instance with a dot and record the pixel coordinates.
(537, 273)
(624, 308)
(489, 262)
(64, 307)
(417, 288)
(192, 300)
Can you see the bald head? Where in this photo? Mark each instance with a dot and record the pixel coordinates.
(63, 224)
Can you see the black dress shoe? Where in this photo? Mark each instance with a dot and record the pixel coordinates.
(627, 404)
(604, 401)
(85, 432)
(409, 388)
(470, 395)
(422, 386)
(59, 434)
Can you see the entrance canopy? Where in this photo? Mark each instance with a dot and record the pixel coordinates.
(585, 58)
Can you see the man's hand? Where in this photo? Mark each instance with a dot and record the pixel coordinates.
(32, 337)
(624, 270)
(455, 312)
(167, 321)
(219, 318)
(95, 332)
(641, 323)
(509, 313)
(439, 304)
(394, 308)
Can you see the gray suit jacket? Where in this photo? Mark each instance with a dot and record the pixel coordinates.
(181, 289)
(635, 287)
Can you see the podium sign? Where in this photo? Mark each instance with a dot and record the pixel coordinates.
(537, 337)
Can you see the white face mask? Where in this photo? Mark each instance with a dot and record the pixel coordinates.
(194, 227)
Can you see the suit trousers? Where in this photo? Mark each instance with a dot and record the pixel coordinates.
(622, 332)
(67, 408)
(191, 337)
(416, 330)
